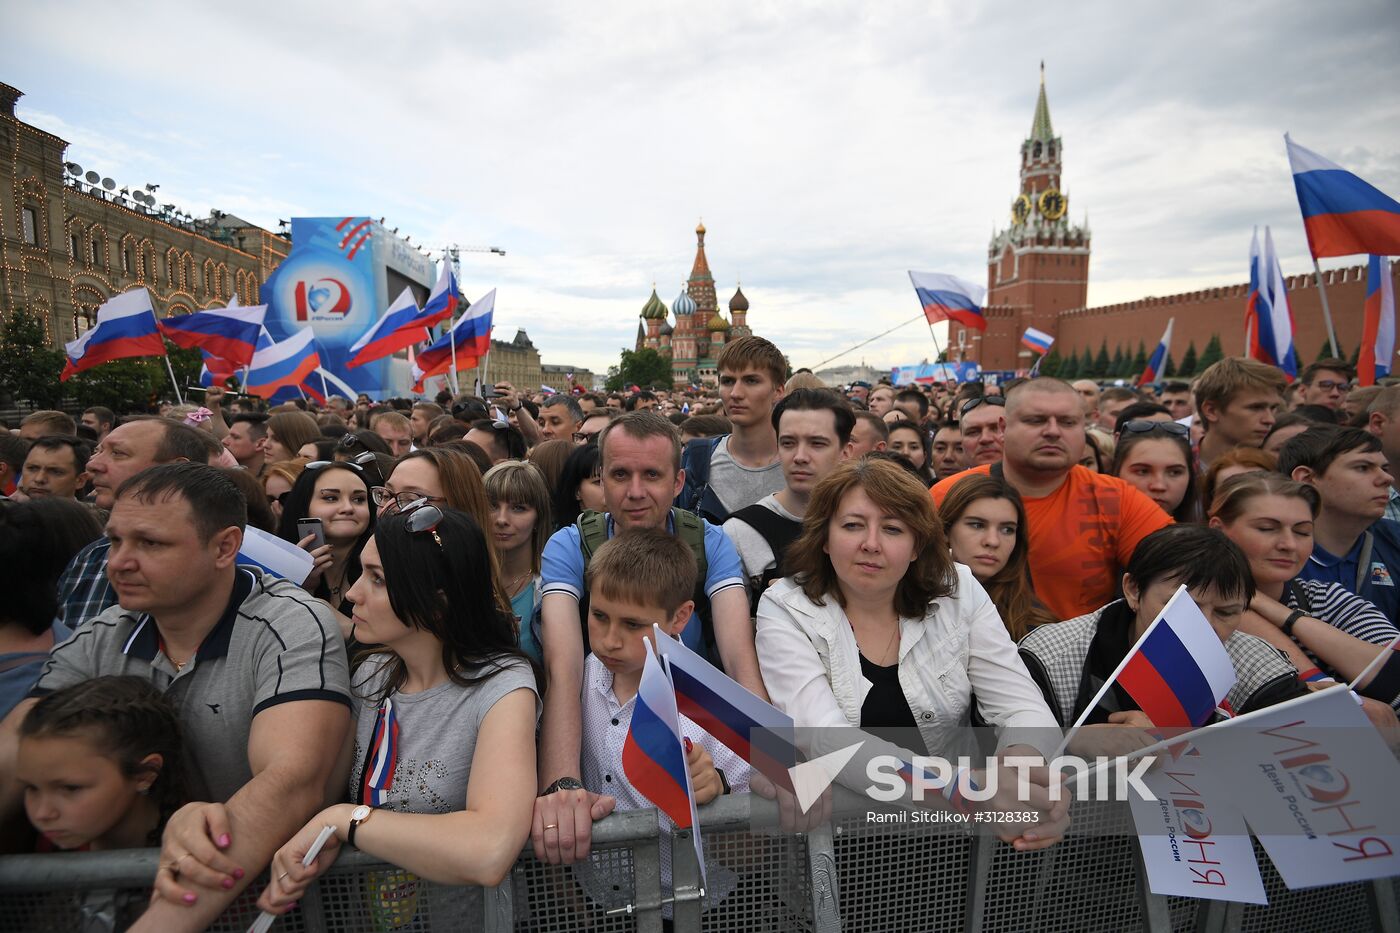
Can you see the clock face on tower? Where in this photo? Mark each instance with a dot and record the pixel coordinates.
(1053, 204)
(1020, 209)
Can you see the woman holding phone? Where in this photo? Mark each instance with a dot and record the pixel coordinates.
(328, 514)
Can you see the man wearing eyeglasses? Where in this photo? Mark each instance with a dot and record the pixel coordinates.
(1083, 526)
(593, 424)
(1326, 383)
(983, 428)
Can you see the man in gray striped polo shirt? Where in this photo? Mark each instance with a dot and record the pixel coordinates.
(255, 667)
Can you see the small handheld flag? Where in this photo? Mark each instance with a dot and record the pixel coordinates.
(1378, 324)
(126, 326)
(228, 333)
(275, 556)
(1037, 341)
(287, 363)
(470, 337)
(1158, 361)
(1342, 214)
(949, 298)
(444, 299)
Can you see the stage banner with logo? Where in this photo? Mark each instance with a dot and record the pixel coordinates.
(334, 281)
(925, 373)
(1193, 838)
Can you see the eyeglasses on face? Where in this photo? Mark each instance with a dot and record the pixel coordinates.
(1331, 385)
(381, 496)
(1142, 426)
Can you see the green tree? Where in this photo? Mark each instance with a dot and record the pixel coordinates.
(645, 367)
(1086, 364)
(1355, 356)
(1115, 366)
(1325, 351)
(1169, 370)
(1051, 363)
(1101, 362)
(29, 367)
(1188, 361)
(1139, 361)
(1069, 367)
(1212, 353)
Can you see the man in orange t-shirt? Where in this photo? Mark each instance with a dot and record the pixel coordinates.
(1083, 526)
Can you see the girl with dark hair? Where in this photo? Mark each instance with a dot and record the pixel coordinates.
(878, 628)
(100, 764)
(1155, 456)
(580, 485)
(443, 775)
(337, 493)
(288, 432)
(37, 540)
(912, 441)
(985, 524)
(1072, 660)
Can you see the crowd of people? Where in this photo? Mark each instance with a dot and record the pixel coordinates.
(462, 661)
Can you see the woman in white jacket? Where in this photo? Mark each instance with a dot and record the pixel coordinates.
(876, 627)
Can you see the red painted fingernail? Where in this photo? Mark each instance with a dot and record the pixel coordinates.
(292, 905)
(238, 873)
(189, 898)
(223, 841)
(227, 883)
(688, 745)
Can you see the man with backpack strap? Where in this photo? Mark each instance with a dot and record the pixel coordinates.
(726, 473)
(814, 435)
(641, 475)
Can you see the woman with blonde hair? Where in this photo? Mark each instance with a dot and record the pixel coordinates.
(278, 479)
(520, 526)
(878, 628)
(985, 524)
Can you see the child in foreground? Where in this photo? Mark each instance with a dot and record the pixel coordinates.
(100, 765)
(634, 580)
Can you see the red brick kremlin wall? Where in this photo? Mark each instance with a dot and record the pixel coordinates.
(1199, 315)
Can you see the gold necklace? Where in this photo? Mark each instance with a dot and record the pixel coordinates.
(515, 584)
(893, 635)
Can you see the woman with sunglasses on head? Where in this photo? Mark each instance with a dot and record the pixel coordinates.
(336, 493)
(912, 441)
(444, 478)
(985, 524)
(442, 781)
(1155, 456)
(278, 479)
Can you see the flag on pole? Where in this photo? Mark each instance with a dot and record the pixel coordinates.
(400, 326)
(1037, 341)
(1268, 317)
(126, 326)
(1342, 214)
(949, 298)
(1179, 671)
(1378, 323)
(287, 363)
(546, 390)
(443, 300)
(228, 333)
(471, 335)
(1158, 361)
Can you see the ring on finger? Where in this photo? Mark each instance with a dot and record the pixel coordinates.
(549, 826)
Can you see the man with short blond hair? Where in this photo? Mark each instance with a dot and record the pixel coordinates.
(41, 423)
(1237, 399)
(395, 430)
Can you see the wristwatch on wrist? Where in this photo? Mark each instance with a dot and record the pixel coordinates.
(1288, 623)
(564, 783)
(357, 816)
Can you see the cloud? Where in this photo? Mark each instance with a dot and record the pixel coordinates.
(829, 147)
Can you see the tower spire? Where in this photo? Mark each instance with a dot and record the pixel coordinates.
(1041, 128)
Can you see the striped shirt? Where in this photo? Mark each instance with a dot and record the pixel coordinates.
(1344, 611)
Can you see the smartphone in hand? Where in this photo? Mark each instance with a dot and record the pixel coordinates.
(311, 526)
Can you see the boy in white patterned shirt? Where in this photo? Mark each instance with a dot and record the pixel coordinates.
(634, 580)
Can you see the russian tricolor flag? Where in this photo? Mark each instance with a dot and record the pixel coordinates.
(400, 326)
(653, 754)
(229, 333)
(1268, 318)
(288, 363)
(126, 326)
(949, 298)
(471, 335)
(1158, 361)
(1179, 671)
(1378, 323)
(444, 299)
(754, 730)
(1342, 214)
(1037, 341)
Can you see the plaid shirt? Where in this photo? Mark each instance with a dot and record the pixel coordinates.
(83, 590)
(1392, 508)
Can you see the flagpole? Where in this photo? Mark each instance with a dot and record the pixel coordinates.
(1326, 309)
(937, 351)
(452, 339)
(168, 368)
(871, 340)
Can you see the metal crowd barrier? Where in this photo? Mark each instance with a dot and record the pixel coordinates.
(848, 875)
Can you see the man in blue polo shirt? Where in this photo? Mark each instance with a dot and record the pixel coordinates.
(641, 475)
(1353, 545)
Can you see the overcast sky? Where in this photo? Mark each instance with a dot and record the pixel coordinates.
(828, 147)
